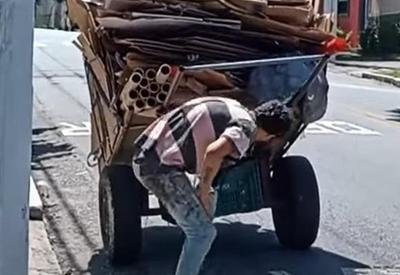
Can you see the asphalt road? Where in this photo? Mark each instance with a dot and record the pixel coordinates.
(354, 150)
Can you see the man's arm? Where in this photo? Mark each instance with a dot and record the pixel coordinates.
(213, 157)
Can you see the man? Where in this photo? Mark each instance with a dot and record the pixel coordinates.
(196, 138)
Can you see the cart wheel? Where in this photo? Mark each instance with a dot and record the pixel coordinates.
(120, 214)
(297, 219)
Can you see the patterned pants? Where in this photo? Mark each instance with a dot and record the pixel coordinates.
(177, 193)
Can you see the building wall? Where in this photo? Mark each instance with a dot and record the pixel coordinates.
(51, 14)
(389, 7)
(352, 21)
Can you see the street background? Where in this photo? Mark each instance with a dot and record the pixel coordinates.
(354, 150)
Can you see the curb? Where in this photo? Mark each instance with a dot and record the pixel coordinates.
(382, 78)
(358, 65)
(35, 202)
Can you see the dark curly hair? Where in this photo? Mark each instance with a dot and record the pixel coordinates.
(273, 117)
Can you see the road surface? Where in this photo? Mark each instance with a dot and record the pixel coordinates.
(354, 149)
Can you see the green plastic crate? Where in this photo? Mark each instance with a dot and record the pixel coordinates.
(239, 189)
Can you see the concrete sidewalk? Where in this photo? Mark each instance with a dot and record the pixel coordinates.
(353, 60)
(42, 260)
(370, 69)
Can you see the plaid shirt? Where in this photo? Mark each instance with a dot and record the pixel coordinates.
(180, 138)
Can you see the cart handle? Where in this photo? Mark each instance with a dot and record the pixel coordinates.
(252, 63)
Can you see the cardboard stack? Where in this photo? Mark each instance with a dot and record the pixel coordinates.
(134, 50)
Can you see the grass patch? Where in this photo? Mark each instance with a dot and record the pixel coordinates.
(394, 73)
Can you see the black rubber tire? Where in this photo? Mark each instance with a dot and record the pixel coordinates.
(120, 214)
(297, 219)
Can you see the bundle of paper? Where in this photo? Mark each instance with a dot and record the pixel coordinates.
(134, 50)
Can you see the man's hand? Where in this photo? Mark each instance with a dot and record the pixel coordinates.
(206, 197)
(213, 157)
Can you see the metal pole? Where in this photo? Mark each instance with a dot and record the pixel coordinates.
(253, 63)
(331, 6)
(16, 39)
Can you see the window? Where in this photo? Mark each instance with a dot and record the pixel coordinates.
(343, 7)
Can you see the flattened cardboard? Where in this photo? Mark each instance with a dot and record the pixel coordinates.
(95, 62)
(78, 13)
(297, 16)
(289, 2)
(124, 150)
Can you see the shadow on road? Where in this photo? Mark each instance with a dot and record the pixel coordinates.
(394, 115)
(46, 149)
(51, 156)
(239, 249)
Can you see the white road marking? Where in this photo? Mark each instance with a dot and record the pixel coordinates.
(39, 45)
(35, 202)
(75, 130)
(347, 128)
(323, 127)
(372, 271)
(67, 43)
(317, 129)
(379, 89)
(153, 202)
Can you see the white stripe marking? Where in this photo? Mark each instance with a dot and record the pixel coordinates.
(348, 128)
(339, 127)
(35, 202)
(39, 45)
(372, 271)
(377, 89)
(67, 43)
(75, 130)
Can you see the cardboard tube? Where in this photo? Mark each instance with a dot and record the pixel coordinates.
(144, 93)
(161, 97)
(154, 87)
(139, 71)
(128, 100)
(163, 73)
(165, 87)
(139, 104)
(132, 83)
(128, 93)
(133, 94)
(150, 74)
(151, 102)
(136, 77)
(144, 83)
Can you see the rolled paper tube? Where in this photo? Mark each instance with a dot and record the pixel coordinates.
(125, 107)
(133, 94)
(163, 73)
(128, 93)
(150, 74)
(131, 84)
(151, 101)
(144, 83)
(139, 104)
(136, 77)
(139, 71)
(144, 93)
(161, 97)
(154, 88)
(165, 87)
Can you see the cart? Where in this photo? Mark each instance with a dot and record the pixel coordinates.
(286, 184)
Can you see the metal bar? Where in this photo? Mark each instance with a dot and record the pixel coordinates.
(300, 96)
(293, 139)
(252, 63)
(152, 212)
(304, 88)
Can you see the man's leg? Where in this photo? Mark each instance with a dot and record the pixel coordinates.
(176, 193)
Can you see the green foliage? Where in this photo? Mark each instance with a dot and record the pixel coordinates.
(381, 37)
